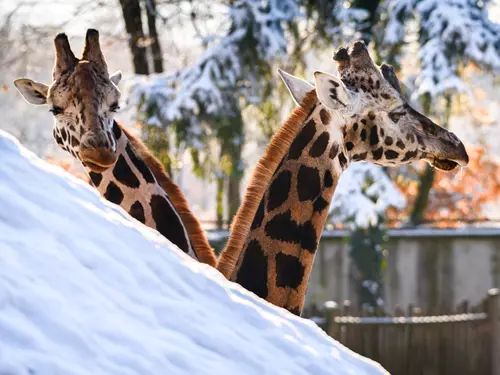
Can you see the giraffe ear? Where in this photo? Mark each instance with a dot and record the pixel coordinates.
(33, 92)
(298, 87)
(331, 91)
(116, 77)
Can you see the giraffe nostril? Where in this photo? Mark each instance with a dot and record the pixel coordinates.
(96, 140)
(455, 138)
(91, 142)
(103, 143)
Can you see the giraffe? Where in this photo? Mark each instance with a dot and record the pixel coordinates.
(359, 116)
(83, 98)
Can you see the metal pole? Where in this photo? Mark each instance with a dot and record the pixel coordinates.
(494, 316)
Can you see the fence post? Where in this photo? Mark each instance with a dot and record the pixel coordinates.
(494, 316)
(344, 331)
(408, 341)
(332, 310)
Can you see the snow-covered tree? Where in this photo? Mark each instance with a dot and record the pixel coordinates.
(208, 88)
(336, 22)
(451, 34)
(363, 195)
(203, 102)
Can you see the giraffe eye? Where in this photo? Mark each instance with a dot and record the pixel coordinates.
(56, 110)
(395, 116)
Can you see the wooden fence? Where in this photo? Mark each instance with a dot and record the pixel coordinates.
(465, 342)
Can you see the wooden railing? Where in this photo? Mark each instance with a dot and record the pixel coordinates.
(466, 341)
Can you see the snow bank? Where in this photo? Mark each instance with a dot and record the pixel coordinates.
(85, 289)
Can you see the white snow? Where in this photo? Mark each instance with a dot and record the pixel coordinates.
(344, 22)
(364, 191)
(219, 72)
(453, 32)
(85, 289)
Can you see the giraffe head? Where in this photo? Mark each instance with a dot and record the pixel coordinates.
(82, 98)
(371, 117)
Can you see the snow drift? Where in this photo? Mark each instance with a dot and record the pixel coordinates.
(85, 289)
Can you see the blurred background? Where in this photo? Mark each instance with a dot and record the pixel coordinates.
(201, 89)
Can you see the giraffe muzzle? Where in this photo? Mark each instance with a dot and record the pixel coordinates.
(454, 156)
(98, 159)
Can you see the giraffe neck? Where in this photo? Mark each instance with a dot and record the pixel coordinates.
(131, 184)
(278, 254)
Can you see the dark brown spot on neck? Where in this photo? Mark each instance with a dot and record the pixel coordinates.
(289, 271)
(319, 146)
(113, 193)
(325, 116)
(279, 189)
(342, 160)
(334, 150)
(137, 212)
(96, 178)
(283, 228)
(302, 140)
(320, 204)
(308, 183)
(168, 223)
(123, 173)
(253, 273)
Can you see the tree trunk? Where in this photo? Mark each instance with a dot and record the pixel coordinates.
(233, 195)
(424, 189)
(234, 149)
(153, 35)
(231, 139)
(220, 201)
(133, 24)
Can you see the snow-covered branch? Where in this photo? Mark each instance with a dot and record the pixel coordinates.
(210, 86)
(363, 193)
(451, 32)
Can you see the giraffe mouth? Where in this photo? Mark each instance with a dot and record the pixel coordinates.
(97, 159)
(448, 160)
(445, 164)
(94, 167)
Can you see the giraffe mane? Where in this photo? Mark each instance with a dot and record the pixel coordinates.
(259, 183)
(196, 234)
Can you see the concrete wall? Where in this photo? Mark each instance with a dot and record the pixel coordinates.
(425, 267)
